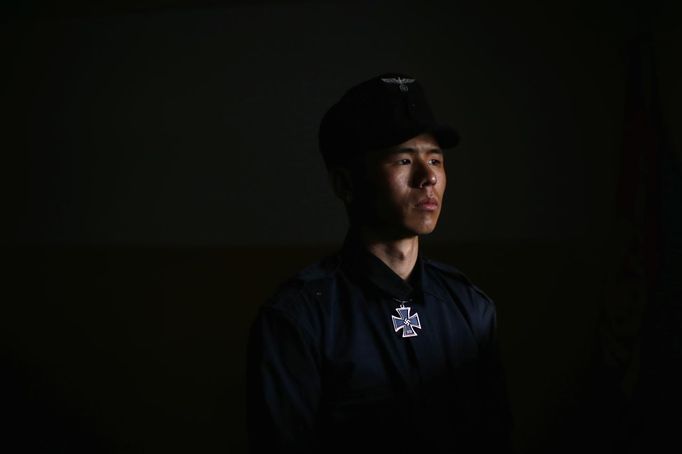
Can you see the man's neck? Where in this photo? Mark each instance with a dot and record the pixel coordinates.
(400, 255)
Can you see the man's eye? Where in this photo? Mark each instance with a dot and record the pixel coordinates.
(435, 162)
(404, 161)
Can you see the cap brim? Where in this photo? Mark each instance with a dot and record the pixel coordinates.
(446, 136)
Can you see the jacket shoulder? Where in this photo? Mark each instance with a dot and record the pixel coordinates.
(444, 268)
(305, 285)
(453, 275)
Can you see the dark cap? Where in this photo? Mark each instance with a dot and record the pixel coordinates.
(382, 112)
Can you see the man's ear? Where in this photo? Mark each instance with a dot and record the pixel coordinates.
(342, 182)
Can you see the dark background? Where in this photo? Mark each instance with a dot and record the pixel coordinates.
(160, 177)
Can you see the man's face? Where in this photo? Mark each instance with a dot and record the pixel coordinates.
(404, 188)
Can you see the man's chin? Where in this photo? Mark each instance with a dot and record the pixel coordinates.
(411, 233)
(400, 231)
(425, 232)
(412, 229)
(424, 229)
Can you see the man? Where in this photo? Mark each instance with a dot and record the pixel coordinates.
(378, 347)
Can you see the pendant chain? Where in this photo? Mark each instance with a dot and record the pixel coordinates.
(402, 302)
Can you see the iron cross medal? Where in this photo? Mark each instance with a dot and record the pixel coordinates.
(405, 322)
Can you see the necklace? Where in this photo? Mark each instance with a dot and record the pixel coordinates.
(405, 321)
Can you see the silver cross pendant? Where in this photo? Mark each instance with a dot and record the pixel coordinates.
(405, 321)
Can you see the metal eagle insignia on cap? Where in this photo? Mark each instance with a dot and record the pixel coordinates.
(406, 322)
(400, 81)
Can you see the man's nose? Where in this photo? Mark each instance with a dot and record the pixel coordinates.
(425, 175)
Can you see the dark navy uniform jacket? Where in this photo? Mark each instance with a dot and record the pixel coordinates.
(328, 372)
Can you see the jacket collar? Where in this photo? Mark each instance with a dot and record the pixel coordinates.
(369, 269)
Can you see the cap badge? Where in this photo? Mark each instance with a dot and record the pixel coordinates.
(400, 81)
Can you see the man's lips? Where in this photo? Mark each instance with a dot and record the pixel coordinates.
(428, 203)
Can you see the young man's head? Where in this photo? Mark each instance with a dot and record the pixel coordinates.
(384, 153)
